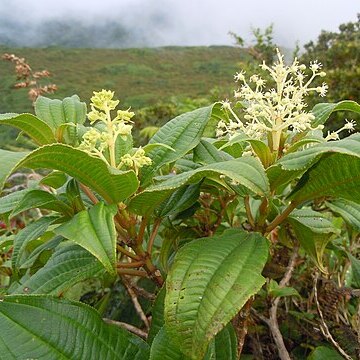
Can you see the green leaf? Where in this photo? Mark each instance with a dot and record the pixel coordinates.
(31, 232)
(348, 210)
(49, 243)
(157, 313)
(355, 267)
(325, 353)
(9, 160)
(68, 265)
(262, 151)
(94, 230)
(55, 179)
(209, 282)
(37, 129)
(302, 160)
(57, 112)
(206, 153)
(163, 348)
(276, 291)
(314, 231)
(224, 347)
(113, 185)
(43, 328)
(180, 200)
(335, 176)
(323, 111)
(181, 134)
(247, 171)
(9, 202)
(42, 200)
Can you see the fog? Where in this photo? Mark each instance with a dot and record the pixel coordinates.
(126, 23)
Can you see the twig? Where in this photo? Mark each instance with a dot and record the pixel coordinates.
(281, 217)
(272, 322)
(142, 292)
(133, 329)
(133, 264)
(153, 235)
(136, 303)
(323, 326)
(127, 253)
(132, 272)
(89, 193)
(140, 236)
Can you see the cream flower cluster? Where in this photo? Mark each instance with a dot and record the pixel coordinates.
(103, 143)
(275, 110)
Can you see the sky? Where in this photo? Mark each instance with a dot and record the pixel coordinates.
(195, 22)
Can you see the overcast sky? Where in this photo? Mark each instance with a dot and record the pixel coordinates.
(197, 22)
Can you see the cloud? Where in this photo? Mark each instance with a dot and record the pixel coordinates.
(185, 22)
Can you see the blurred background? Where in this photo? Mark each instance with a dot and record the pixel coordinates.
(164, 57)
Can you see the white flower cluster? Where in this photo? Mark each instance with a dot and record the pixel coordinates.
(277, 109)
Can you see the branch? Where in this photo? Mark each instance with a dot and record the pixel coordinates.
(132, 272)
(140, 236)
(133, 264)
(136, 303)
(272, 322)
(281, 217)
(89, 193)
(133, 329)
(127, 253)
(153, 235)
(323, 326)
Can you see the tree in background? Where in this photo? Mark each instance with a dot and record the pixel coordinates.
(339, 52)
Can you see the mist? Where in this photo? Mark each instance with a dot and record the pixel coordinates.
(152, 23)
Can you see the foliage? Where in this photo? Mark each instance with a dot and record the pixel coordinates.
(340, 53)
(234, 218)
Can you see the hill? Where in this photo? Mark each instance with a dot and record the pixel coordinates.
(138, 76)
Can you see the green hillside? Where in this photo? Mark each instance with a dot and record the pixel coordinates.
(139, 76)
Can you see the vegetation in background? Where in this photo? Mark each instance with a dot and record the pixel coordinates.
(340, 54)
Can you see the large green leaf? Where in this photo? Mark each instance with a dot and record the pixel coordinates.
(313, 230)
(67, 266)
(206, 153)
(293, 165)
(43, 328)
(8, 161)
(37, 129)
(94, 230)
(324, 353)
(348, 210)
(31, 232)
(302, 160)
(247, 171)
(180, 200)
(336, 176)
(113, 185)
(181, 134)
(10, 201)
(42, 200)
(209, 282)
(57, 112)
(324, 110)
(223, 347)
(157, 313)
